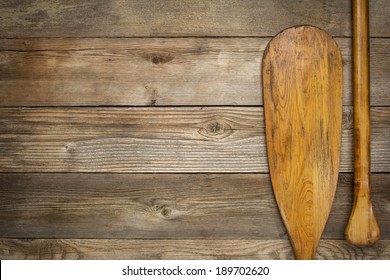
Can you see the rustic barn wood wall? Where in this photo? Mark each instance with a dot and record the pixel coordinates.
(135, 129)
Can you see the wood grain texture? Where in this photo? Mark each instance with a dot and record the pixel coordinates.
(117, 249)
(165, 18)
(161, 206)
(142, 18)
(196, 139)
(302, 85)
(153, 72)
(362, 227)
(378, 60)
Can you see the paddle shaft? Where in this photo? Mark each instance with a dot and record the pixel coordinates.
(362, 228)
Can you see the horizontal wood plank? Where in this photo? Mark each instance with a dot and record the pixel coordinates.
(149, 140)
(118, 249)
(190, 71)
(161, 206)
(63, 18)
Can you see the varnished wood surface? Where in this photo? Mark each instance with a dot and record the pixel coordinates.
(170, 206)
(90, 249)
(157, 72)
(195, 139)
(302, 85)
(45, 18)
(362, 227)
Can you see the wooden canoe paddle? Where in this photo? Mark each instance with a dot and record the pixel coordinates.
(362, 228)
(302, 89)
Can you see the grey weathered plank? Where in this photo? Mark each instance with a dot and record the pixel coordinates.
(196, 139)
(379, 61)
(74, 249)
(175, 71)
(170, 206)
(44, 18)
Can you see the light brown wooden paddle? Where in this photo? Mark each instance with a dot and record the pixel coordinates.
(302, 88)
(362, 228)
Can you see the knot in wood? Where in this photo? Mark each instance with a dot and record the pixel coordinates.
(216, 129)
(162, 208)
(152, 93)
(158, 58)
(166, 212)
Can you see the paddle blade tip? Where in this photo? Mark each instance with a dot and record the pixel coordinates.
(308, 254)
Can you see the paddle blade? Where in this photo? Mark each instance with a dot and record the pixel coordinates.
(302, 89)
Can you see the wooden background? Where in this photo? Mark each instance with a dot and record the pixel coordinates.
(135, 130)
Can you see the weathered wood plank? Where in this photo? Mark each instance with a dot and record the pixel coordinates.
(62, 18)
(190, 71)
(163, 206)
(379, 61)
(195, 139)
(75, 249)
(130, 72)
